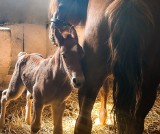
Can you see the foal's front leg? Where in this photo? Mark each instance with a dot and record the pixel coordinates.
(37, 111)
(57, 118)
(37, 119)
(28, 108)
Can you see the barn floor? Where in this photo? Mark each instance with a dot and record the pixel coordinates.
(15, 118)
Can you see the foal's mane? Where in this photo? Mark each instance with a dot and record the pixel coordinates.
(76, 9)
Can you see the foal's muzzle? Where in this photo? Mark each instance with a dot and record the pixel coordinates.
(78, 82)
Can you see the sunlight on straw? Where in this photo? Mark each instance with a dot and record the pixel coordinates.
(109, 106)
(69, 123)
(109, 121)
(97, 122)
(73, 122)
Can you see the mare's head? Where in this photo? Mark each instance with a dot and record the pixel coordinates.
(71, 11)
(71, 54)
(64, 13)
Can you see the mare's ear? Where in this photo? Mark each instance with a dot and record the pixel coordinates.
(74, 33)
(59, 37)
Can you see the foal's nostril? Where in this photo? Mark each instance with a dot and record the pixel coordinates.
(74, 80)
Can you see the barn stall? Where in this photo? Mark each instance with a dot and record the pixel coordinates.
(24, 27)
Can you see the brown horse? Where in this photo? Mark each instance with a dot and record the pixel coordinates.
(48, 80)
(123, 36)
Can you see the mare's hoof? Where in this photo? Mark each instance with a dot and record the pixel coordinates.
(35, 131)
(83, 126)
(28, 122)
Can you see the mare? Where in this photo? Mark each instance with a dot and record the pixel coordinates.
(49, 81)
(121, 37)
(96, 62)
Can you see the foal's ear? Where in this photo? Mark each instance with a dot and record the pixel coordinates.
(58, 36)
(74, 33)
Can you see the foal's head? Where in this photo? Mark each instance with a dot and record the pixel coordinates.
(71, 54)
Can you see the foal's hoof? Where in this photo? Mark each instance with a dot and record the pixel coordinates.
(28, 121)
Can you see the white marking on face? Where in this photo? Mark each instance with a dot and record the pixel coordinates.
(65, 34)
(74, 48)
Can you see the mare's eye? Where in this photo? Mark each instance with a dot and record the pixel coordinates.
(63, 54)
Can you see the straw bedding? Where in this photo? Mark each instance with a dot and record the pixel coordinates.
(16, 110)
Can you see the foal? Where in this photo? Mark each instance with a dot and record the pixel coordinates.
(47, 80)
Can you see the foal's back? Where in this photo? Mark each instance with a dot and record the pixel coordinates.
(47, 74)
(30, 64)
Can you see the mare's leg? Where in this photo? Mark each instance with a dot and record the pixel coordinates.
(94, 69)
(86, 101)
(86, 97)
(7, 96)
(104, 94)
(28, 108)
(37, 111)
(94, 77)
(57, 118)
(94, 66)
(149, 93)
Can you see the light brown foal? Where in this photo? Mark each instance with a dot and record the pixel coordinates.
(47, 80)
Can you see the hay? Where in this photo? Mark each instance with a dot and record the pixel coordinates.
(16, 110)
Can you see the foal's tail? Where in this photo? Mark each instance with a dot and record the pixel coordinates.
(15, 86)
(128, 22)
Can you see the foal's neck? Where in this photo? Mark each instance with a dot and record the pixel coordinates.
(58, 68)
